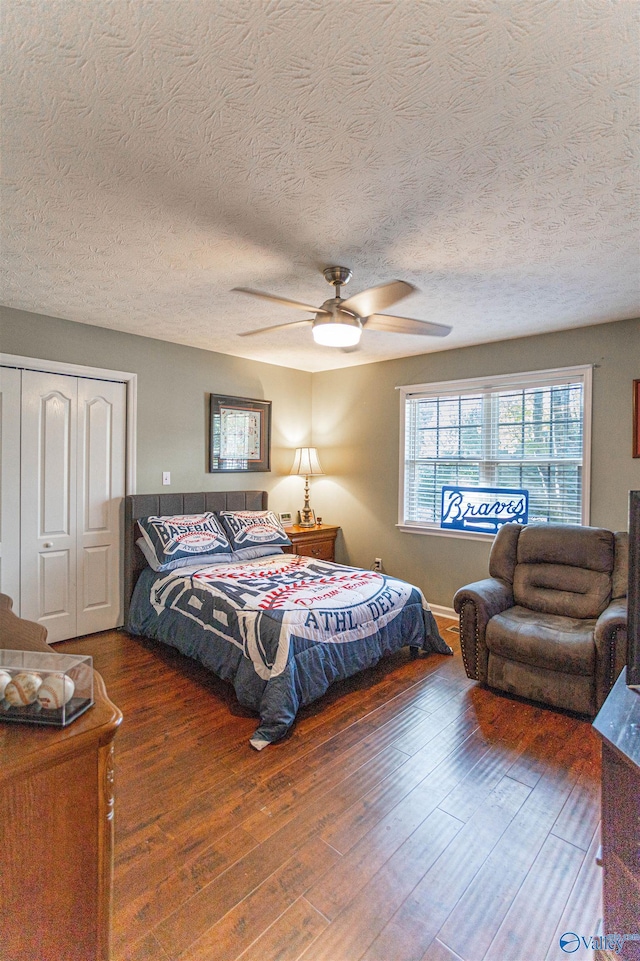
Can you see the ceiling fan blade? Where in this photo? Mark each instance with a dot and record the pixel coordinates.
(370, 301)
(264, 330)
(404, 325)
(280, 300)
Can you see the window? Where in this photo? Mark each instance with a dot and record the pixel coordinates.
(527, 431)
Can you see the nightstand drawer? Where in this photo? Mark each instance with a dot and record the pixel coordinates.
(323, 550)
(318, 541)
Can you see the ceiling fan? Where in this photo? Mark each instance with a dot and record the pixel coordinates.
(339, 323)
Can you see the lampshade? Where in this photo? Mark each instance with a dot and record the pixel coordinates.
(338, 330)
(306, 462)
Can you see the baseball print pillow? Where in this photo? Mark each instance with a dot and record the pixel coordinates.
(168, 539)
(253, 529)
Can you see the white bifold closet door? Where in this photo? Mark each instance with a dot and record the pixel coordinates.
(72, 468)
(10, 394)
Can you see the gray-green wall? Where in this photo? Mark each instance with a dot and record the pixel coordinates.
(174, 384)
(356, 421)
(353, 417)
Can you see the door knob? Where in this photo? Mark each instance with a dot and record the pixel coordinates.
(47, 544)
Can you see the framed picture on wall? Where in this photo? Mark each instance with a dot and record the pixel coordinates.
(636, 418)
(240, 434)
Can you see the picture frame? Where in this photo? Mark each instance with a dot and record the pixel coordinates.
(239, 434)
(636, 418)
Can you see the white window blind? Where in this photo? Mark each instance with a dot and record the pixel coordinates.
(529, 431)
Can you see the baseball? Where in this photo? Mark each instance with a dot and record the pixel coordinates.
(5, 677)
(56, 690)
(23, 689)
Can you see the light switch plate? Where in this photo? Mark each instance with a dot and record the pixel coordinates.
(166, 478)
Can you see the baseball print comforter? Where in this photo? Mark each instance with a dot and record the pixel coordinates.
(282, 628)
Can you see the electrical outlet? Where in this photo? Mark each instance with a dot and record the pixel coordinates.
(377, 564)
(166, 478)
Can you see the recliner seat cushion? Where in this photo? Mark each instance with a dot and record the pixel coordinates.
(549, 641)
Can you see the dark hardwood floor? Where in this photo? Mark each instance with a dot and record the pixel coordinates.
(409, 815)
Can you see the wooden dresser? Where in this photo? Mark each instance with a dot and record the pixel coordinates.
(56, 836)
(318, 541)
(618, 724)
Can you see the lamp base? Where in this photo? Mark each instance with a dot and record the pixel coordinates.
(307, 517)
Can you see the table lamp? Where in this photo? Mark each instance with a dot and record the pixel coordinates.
(306, 463)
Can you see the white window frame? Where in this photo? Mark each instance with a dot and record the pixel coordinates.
(538, 378)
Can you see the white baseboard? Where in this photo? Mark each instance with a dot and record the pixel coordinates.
(443, 611)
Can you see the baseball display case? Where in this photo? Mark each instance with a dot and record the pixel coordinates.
(44, 688)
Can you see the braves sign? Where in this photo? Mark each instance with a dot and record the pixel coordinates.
(483, 509)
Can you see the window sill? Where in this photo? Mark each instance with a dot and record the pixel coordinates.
(444, 532)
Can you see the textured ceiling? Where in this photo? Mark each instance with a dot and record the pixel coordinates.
(157, 154)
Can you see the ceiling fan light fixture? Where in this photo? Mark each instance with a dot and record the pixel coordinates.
(337, 331)
(339, 322)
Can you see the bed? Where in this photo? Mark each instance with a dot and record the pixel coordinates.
(280, 627)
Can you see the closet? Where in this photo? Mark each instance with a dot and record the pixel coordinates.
(62, 483)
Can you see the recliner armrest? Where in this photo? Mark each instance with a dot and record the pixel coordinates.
(492, 595)
(610, 635)
(476, 604)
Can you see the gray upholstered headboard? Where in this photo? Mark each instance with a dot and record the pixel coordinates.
(162, 505)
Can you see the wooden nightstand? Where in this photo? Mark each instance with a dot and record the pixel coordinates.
(318, 541)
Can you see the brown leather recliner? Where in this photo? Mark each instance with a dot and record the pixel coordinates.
(550, 623)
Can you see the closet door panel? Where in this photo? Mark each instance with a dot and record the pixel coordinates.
(48, 514)
(101, 484)
(10, 403)
(54, 577)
